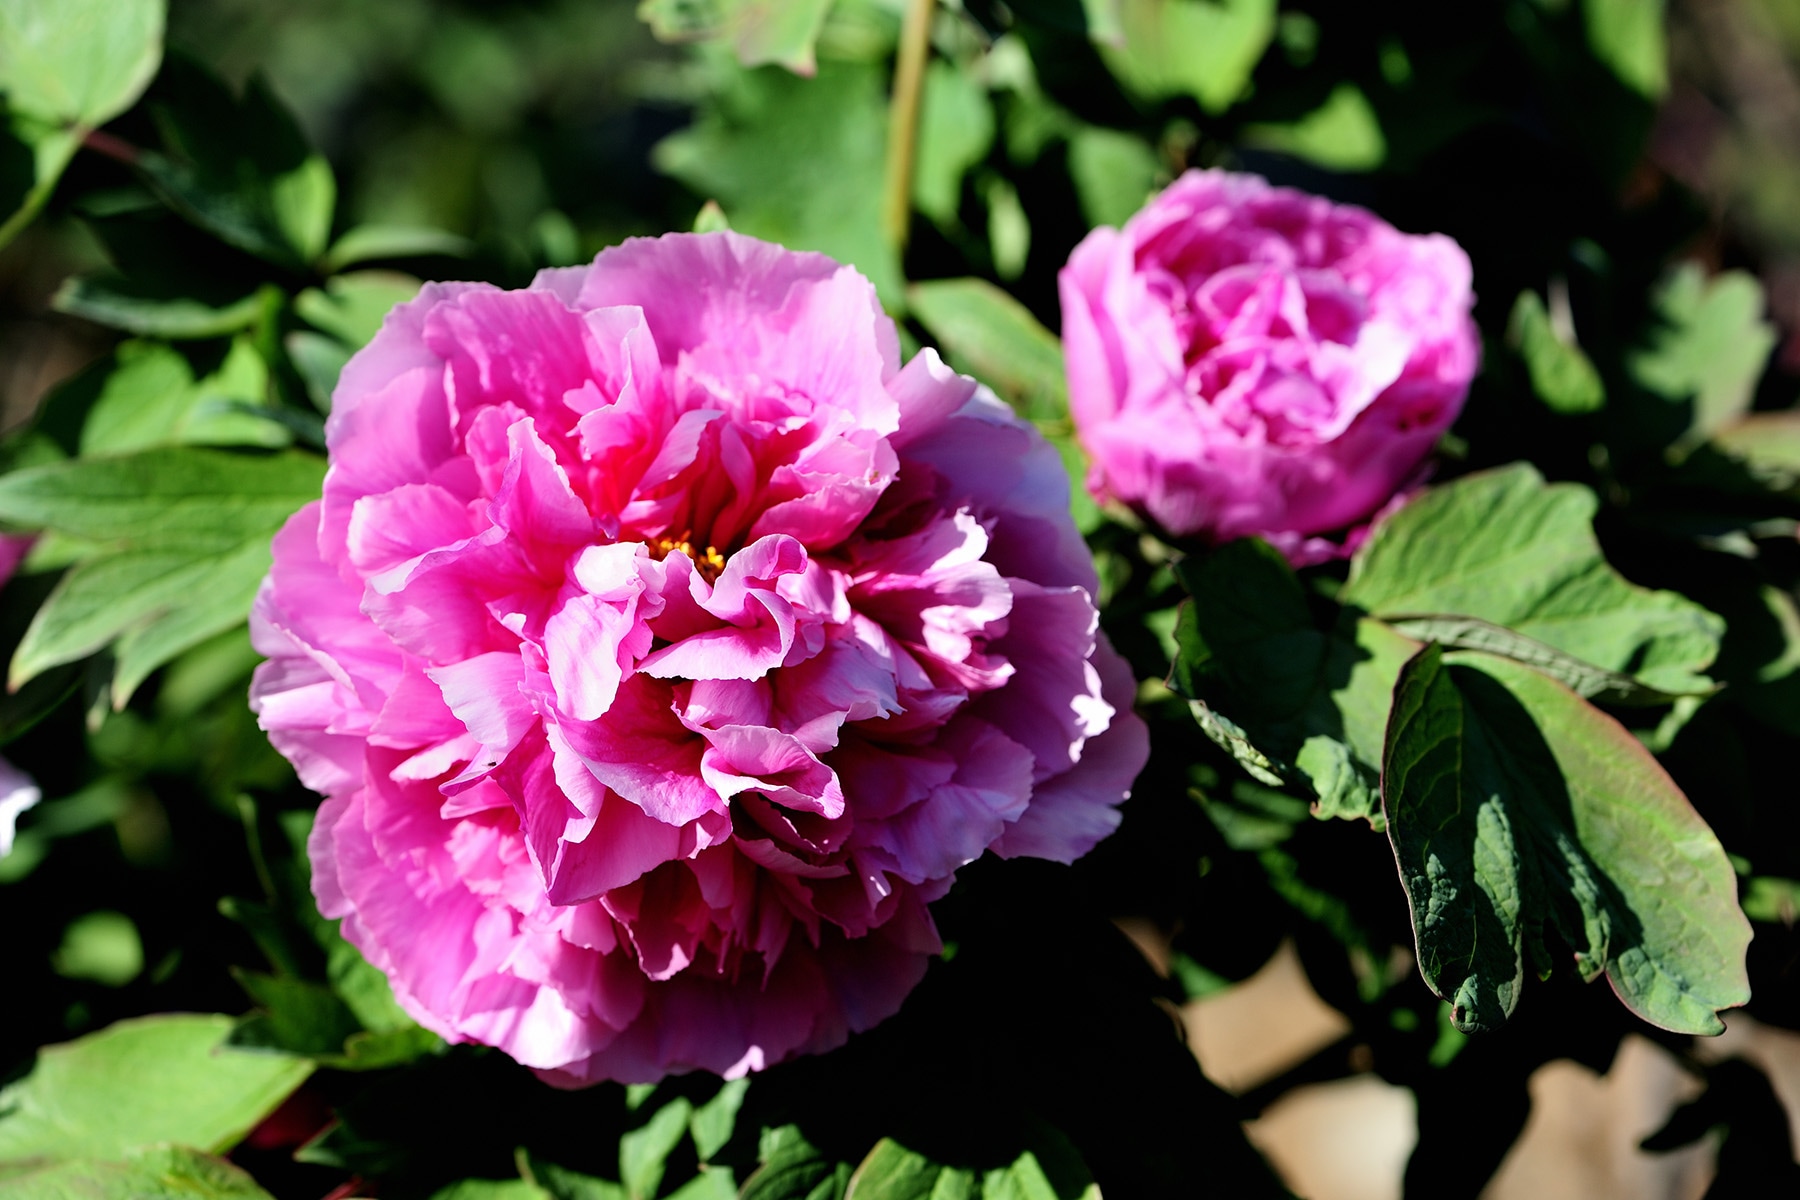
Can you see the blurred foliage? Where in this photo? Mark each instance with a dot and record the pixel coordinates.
(210, 232)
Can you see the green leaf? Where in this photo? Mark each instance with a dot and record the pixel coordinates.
(1505, 547)
(32, 158)
(1767, 444)
(713, 1121)
(1201, 48)
(1627, 36)
(149, 1173)
(1511, 803)
(366, 243)
(1583, 678)
(796, 161)
(101, 946)
(1342, 134)
(1561, 374)
(1291, 701)
(78, 62)
(1114, 173)
(643, 1152)
(793, 1169)
(760, 33)
(152, 399)
(239, 168)
(956, 128)
(152, 1079)
(1711, 347)
(491, 1189)
(118, 303)
(712, 1183)
(985, 332)
(352, 307)
(564, 1184)
(296, 1017)
(892, 1172)
(180, 497)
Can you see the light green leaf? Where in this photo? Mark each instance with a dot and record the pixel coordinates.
(1342, 134)
(759, 32)
(1114, 173)
(101, 946)
(1560, 373)
(985, 332)
(1711, 347)
(1206, 49)
(956, 128)
(150, 1173)
(152, 1079)
(791, 1168)
(892, 1172)
(49, 151)
(1627, 35)
(1513, 804)
(152, 399)
(78, 62)
(318, 360)
(179, 497)
(491, 1189)
(1507, 548)
(644, 1151)
(713, 1121)
(303, 200)
(115, 302)
(712, 1183)
(1767, 444)
(369, 242)
(352, 307)
(1023, 1179)
(796, 161)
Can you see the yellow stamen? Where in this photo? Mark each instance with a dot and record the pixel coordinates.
(708, 562)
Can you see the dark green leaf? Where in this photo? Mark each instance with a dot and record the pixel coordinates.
(1513, 804)
(993, 337)
(296, 1016)
(564, 1184)
(1561, 374)
(793, 1169)
(152, 1079)
(150, 1173)
(1113, 172)
(116, 302)
(1504, 547)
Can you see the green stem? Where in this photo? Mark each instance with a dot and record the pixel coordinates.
(903, 120)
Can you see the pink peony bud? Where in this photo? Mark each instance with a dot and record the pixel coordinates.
(663, 648)
(1248, 360)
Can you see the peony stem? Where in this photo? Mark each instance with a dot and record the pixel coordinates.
(903, 120)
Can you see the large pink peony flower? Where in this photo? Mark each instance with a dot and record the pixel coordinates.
(664, 647)
(1245, 359)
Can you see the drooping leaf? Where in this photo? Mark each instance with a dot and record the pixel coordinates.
(1627, 35)
(1507, 548)
(1514, 806)
(239, 167)
(366, 243)
(120, 304)
(151, 1079)
(1291, 701)
(1201, 48)
(1560, 373)
(149, 1173)
(993, 337)
(796, 161)
(1711, 347)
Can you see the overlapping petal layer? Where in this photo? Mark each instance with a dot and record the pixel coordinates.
(663, 648)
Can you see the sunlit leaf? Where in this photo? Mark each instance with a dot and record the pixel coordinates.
(1343, 134)
(149, 1173)
(1560, 373)
(1201, 48)
(1710, 348)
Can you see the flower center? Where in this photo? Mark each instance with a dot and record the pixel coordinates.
(708, 562)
